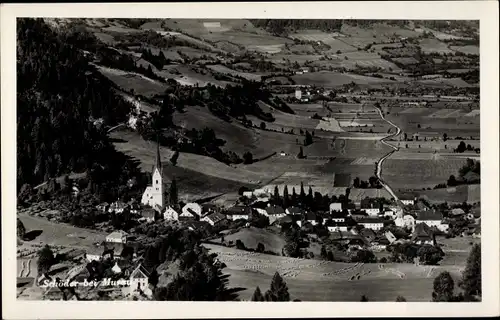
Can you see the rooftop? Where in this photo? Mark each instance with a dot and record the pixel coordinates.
(429, 215)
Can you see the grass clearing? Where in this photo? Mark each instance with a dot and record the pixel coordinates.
(133, 81)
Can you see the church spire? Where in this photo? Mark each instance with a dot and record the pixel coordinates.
(158, 159)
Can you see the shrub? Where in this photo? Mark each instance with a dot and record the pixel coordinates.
(240, 245)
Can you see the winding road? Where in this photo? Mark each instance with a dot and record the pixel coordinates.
(378, 170)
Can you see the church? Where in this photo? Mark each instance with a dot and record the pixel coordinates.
(155, 194)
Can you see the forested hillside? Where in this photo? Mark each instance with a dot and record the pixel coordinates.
(59, 94)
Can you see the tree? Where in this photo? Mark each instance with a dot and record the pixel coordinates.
(443, 287)
(279, 289)
(308, 139)
(21, 230)
(260, 247)
(263, 125)
(302, 195)
(240, 245)
(430, 255)
(329, 256)
(323, 252)
(247, 157)
(356, 182)
(461, 147)
(452, 181)
(276, 196)
(301, 154)
(400, 299)
(173, 159)
(257, 295)
(471, 276)
(285, 197)
(45, 259)
(364, 298)
(153, 278)
(173, 197)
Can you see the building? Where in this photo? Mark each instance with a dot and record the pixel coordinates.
(371, 223)
(139, 279)
(103, 207)
(192, 209)
(407, 201)
(294, 211)
(406, 221)
(248, 194)
(274, 213)
(338, 216)
(196, 225)
(170, 214)
(298, 94)
(456, 212)
(214, 218)
(148, 214)
(389, 213)
(333, 226)
(239, 212)
(94, 254)
(370, 207)
(118, 207)
(309, 217)
(117, 237)
(423, 235)
(335, 206)
(154, 195)
(432, 218)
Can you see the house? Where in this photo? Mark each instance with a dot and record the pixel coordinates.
(423, 235)
(350, 207)
(309, 217)
(260, 211)
(333, 226)
(338, 216)
(148, 214)
(139, 279)
(118, 207)
(154, 195)
(370, 207)
(407, 201)
(214, 218)
(134, 207)
(275, 212)
(117, 237)
(94, 254)
(477, 232)
(207, 208)
(456, 212)
(389, 213)
(103, 207)
(368, 234)
(406, 221)
(335, 206)
(192, 209)
(294, 211)
(298, 93)
(432, 218)
(170, 214)
(390, 237)
(283, 221)
(196, 225)
(248, 194)
(283, 153)
(239, 212)
(112, 250)
(371, 223)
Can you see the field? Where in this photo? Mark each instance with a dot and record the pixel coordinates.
(128, 81)
(459, 194)
(313, 280)
(434, 45)
(413, 173)
(251, 237)
(225, 70)
(331, 79)
(467, 49)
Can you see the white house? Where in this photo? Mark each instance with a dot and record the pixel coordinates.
(407, 221)
(170, 214)
(139, 279)
(116, 268)
(148, 214)
(310, 217)
(294, 211)
(407, 201)
(389, 213)
(94, 254)
(239, 212)
(261, 211)
(154, 195)
(371, 208)
(298, 93)
(338, 226)
(432, 218)
(118, 207)
(117, 237)
(371, 223)
(192, 209)
(423, 235)
(214, 218)
(248, 194)
(274, 213)
(335, 206)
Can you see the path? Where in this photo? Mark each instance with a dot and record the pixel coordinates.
(378, 171)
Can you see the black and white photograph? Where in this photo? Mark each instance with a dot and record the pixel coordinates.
(248, 159)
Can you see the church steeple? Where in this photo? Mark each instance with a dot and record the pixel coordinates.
(158, 159)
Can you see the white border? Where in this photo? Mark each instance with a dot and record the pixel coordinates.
(486, 11)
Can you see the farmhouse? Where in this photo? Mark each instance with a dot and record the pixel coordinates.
(389, 213)
(294, 211)
(333, 226)
(239, 212)
(457, 212)
(214, 218)
(407, 201)
(196, 225)
(207, 208)
(371, 208)
(371, 223)
(407, 221)
(117, 237)
(275, 212)
(423, 235)
(192, 210)
(432, 218)
(154, 195)
(337, 216)
(170, 214)
(94, 254)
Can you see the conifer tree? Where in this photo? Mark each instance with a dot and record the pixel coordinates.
(173, 197)
(257, 295)
(279, 289)
(285, 197)
(302, 196)
(471, 276)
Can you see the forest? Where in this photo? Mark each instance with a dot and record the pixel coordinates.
(59, 97)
